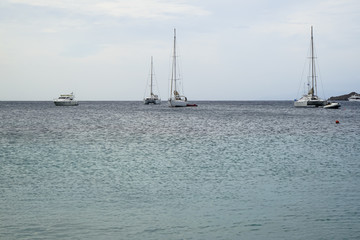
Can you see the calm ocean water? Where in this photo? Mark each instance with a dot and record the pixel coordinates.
(223, 170)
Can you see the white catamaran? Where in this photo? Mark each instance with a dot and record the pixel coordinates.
(176, 99)
(152, 98)
(311, 99)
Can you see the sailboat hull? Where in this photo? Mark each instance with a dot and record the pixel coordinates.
(177, 103)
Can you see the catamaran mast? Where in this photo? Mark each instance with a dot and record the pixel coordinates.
(313, 77)
(173, 72)
(151, 78)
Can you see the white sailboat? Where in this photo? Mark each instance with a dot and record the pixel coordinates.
(311, 99)
(152, 98)
(176, 99)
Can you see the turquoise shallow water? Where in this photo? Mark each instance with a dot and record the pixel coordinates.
(223, 170)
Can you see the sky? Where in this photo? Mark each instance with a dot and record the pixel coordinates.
(228, 49)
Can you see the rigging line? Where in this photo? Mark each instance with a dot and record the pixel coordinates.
(155, 83)
(146, 86)
(302, 75)
(180, 75)
(321, 81)
(145, 90)
(169, 75)
(147, 81)
(179, 68)
(151, 77)
(319, 73)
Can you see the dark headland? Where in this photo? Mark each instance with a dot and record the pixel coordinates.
(342, 97)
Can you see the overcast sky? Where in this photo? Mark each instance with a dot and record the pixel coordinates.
(228, 49)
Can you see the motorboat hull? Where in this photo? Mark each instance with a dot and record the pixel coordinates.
(191, 105)
(66, 100)
(333, 105)
(354, 99)
(66, 103)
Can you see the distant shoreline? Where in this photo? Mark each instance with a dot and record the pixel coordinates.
(286, 100)
(342, 97)
(333, 98)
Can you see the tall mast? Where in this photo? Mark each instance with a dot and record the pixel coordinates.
(174, 59)
(313, 77)
(151, 77)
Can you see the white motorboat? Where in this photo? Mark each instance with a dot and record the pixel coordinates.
(176, 99)
(311, 99)
(332, 105)
(354, 98)
(152, 98)
(66, 100)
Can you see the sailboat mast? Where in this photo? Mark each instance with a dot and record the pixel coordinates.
(151, 78)
(312, 62)
(172, 70)
(174, 60)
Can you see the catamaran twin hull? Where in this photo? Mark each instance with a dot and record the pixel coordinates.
(310, 103)
(151, 101)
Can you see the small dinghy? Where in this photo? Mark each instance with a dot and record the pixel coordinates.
(333, 105)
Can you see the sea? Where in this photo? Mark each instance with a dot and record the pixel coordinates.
(222, 170)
